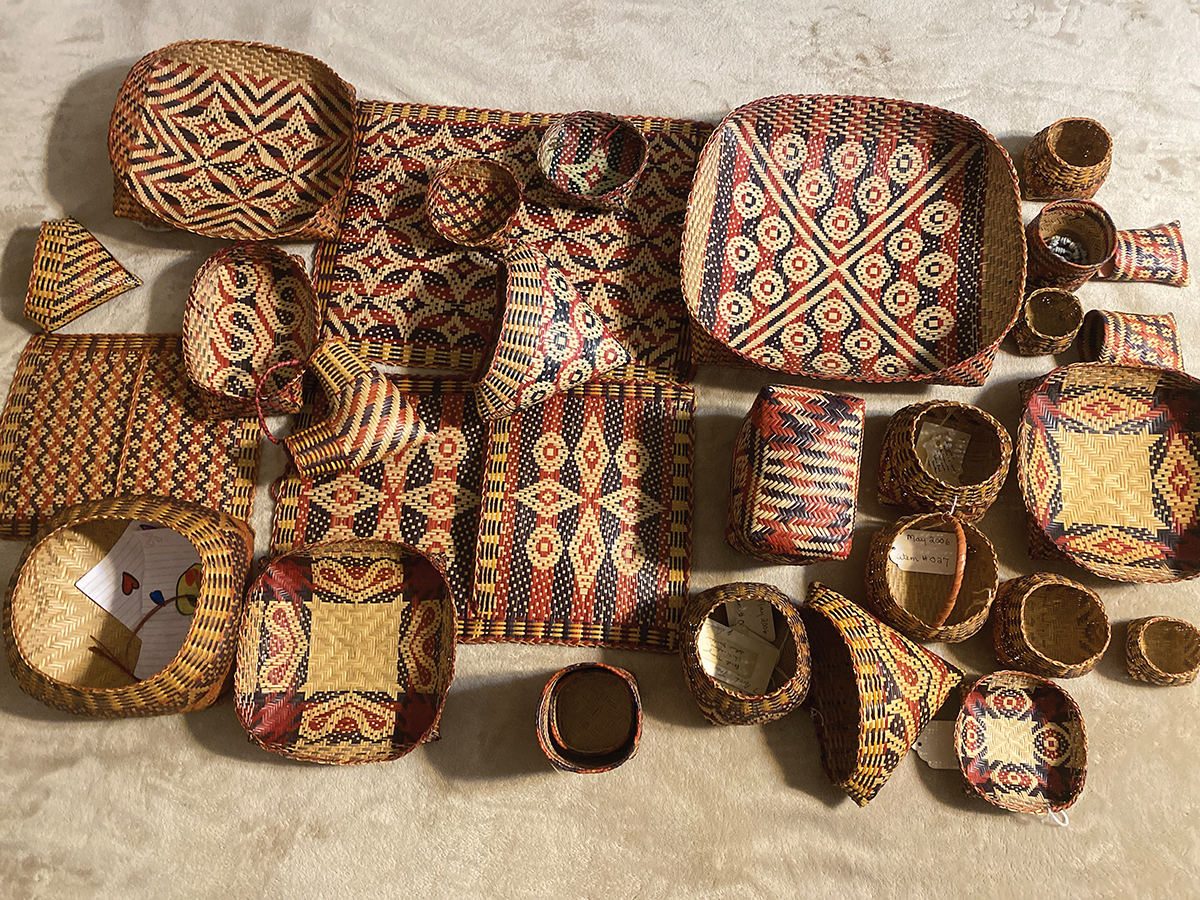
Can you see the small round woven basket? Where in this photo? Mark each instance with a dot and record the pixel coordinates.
(54, 633)
(251, 307)
(589, 719)
(913, 602)
(473, 202)
(906, 481)
(594, 158)
(1082, 223)
(724, 705)
(1049, 321)
(1164, 651)
(1067, 160)
(1049, 625)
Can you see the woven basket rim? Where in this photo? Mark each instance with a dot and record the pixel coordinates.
(1023, 589)
(1075, 306)
(1054, 130)
(621, 122)
(577, 762)
(1144, 625)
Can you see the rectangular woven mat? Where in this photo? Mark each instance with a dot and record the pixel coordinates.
(406, 297)
(105, 415)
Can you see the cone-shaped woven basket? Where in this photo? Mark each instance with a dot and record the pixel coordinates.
(1049, 625)
(589, 719)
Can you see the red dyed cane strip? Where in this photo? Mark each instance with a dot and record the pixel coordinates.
(258, 387)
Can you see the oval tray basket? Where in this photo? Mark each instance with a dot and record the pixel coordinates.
(1050, 626)
(589, 719)
(1164, 651)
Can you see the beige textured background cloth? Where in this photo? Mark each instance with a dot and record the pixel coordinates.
(183, 806)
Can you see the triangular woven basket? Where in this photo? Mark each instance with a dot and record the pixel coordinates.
(72, 273)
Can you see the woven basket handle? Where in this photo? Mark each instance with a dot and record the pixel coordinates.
(960, 565)
(258, 390)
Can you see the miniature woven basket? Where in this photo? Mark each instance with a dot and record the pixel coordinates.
(1164, 651)
(346, 653)
(1130, 339)
(915, 472)
(873, 691)
(66, 651)
(1085, 226)
(473, 202)
(1021, 743)
(251, 306)
(1048, 323)
(1067, 160)
(1149, 254)
(594, 158)
(589, 719)
(233, 140)
(930, 606)
(724, 705)
(1049, 625)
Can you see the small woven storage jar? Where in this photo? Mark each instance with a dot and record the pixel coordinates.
(1082, 222)
(1049, 320)
(724, 705)
(1049, 625)
(593, 158)
(53, 631)
(1164, 651)
(905, 481)
(927, 606)
(1067, 160)
(473, 202)
(251, 306)
(589, 719)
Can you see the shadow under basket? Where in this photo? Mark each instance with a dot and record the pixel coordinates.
(1164, 651)
(1049, 625)
(590, 718)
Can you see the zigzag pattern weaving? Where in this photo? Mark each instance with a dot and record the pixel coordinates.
(72, 273)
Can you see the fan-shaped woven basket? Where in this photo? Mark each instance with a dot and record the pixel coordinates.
(1164, 651)
(1049, 321)
(589, 719)
(1067, 160)
(1049, 625)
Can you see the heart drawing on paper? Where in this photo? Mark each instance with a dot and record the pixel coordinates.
(129, 584)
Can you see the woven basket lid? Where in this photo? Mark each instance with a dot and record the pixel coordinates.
(855, 238)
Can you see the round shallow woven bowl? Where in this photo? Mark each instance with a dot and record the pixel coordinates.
(1049, 625)
(1163, 651)
(1082, 222)
(50, 626)
(473, 202)
(1107, 469)
(910, 475)
(234, 140)
(1048, 323)
(251, 306)
(855, 238)
(1021, 743)
(589, 719)
(594, 158)
(346, 653)
(911, 601)
(1067, 160)
(724, 705)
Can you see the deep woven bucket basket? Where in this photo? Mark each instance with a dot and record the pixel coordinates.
(251, 306)
(63, 648)
(194, 121)
(589, 719)
(594, 158)
(907, 481)
(1130, 339)
(473, 202)
(1048, 323)
(930, 606)
(346, 652)
(873, 691)
(1067, 160)
(724, 705)
(1049, 625)
(1106, 463)
(794, 491)
(1164, 651)
(1085, 226)
(1021, 743)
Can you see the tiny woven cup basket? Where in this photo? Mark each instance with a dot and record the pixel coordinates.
(1021, 743)
(1163, 651)
(594, 158)
(1049, 625)
(251, 306)
(53, 632)
(1067, 160)
(1048, 323)
(917, 467)
(932, 606)
(1130, 339)
(1080, 225)
(589, 719)
(725, 705)
(473, 202)
(346, 653)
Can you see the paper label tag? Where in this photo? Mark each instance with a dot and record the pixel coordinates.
(737, 659)
(941, 451)
(935, 745)
(935, 552)
(756, 616)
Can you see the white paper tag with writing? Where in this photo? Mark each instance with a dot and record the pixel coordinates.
(935, 552)
(737, 659)
(756, 616)
(936, 745)
(941, 451)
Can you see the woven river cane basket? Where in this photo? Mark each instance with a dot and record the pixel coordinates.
(52, 630)
(1149, 254)
(1108, 469)
(346, 652)
(725, 705)
(1067, 160)
(1164, 651)
(589, 719)
(855, 238)
(233, 140)
(473, 202)
(593, 158)
(1049, 625)
(1049, 320)
(1082, 223)
(1130, 339)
